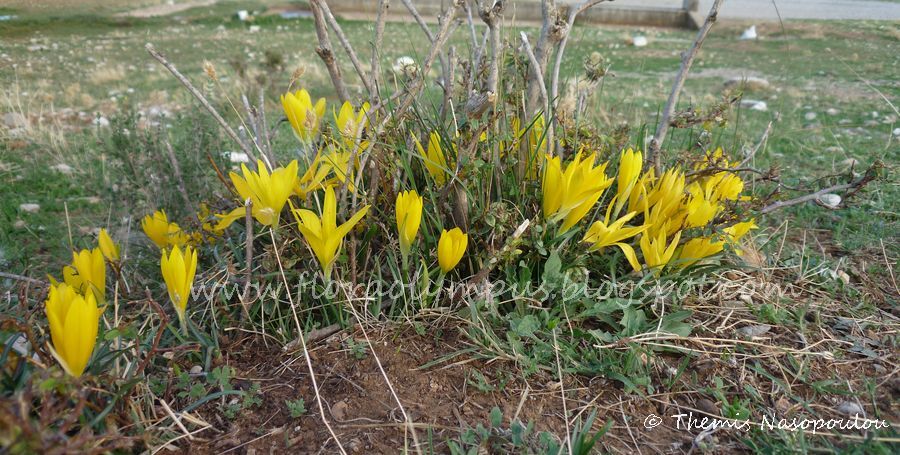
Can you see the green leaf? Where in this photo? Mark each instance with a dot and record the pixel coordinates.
(496, 417)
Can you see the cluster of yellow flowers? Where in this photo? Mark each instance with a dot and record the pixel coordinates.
(74, 306)
(669, 207)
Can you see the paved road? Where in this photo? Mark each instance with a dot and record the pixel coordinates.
(791, 9)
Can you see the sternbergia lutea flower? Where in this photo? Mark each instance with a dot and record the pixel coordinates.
(408, 211)
(268, 193)
(87, 273)
(108, 247)
(571, 193)
(322, 233)
(178, 270)
(451, 248)
(74, 320)
(304, 117)
(162, 232)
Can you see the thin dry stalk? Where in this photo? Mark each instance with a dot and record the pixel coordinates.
(345, 43)
(687, 60)
(535, 65)
(380, 18)
(203, 101)
(300, 335)
(179, 180)
(326, 54)
(248, 258)
(554, 80)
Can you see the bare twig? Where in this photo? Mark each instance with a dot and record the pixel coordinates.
(551, 32)
(759, 145)
(686, 62)
(380, 18)
(535, 65)
(13, 276)
(448, 83)
(345, 43)
(326, 54)
(852, 187)
(203, 101)
(248, 257)
(163, 322)
(300, 335)
(554, 80)
(176, 169)
(417, 84)
(491, 16)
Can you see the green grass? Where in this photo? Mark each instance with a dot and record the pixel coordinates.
(96, 63)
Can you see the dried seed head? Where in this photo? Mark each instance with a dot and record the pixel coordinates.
(594, 66)
(297, 74)
(210, 70)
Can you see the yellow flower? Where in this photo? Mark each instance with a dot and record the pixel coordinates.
(163, 233)
(267, 192)
(638, 199)
(451, 247)
(302, 114)
(74, 321)
(603, 234)
(702, 206)
(630, 164)
(534, 139)
(697, 249)
(109, 248)
(435, 160)
(409, 215)
(350, 123)
(178, 271)
(87, 274)
(322, 233)
(736, 232)
(569, 195)
(656, 252)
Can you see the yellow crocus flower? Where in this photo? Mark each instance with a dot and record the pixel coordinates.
(602, 234)
(409, 215)
(74, 320)
(451, 247)
(108, 247)
(697, 249)
(571, 193)
(87, 273)
(702, 206)
(163, 233)
(735, 232)
(630, 164)
(350, 123)
(657, 253)
(267, 192)
(302, 114)
(178, 270)
(434, 158)
(322, 233)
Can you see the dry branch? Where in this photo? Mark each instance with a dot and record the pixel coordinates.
(326, 54)
(203, 101)
(345, 43)
(852, 187)
(686, 62)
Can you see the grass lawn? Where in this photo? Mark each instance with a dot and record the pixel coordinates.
(88, 112)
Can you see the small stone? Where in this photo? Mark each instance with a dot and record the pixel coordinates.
(238, 157)
(749, 82)
(196, 370)
(829, 200)
(810, 116)
(29, 207)
(62, 168)
(849, 163)
(19, 224)
(832, 111)
(639, 41)
(14, 120)
(254, 29)
(851, 409)
(755, 105)
(897, 132)
(101, 122)
(339, 410)
(749, 33)
(753, 331)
